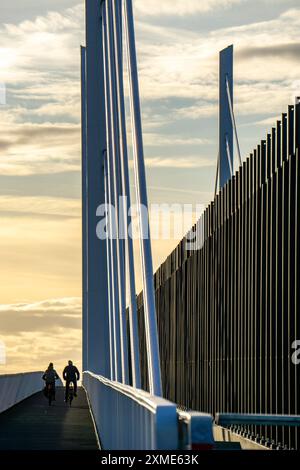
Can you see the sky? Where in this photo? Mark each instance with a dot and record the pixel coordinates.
(40, 209)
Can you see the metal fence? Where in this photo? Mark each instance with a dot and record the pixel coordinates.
(228, 312)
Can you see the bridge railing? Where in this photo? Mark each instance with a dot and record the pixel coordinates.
(230, 419)
(16, 387)
(128, 418)
(195, 430)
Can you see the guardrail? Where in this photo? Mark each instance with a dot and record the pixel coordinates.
(127, 418)
(16, 387)
(229, 419)
(130, 419)
(195, 431)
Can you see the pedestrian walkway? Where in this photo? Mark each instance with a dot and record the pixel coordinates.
(33, 425)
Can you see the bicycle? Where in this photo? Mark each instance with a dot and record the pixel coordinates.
(50, 392)
(70, 395)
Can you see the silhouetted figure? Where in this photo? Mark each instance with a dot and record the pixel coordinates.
(50, 376)
(71, 374)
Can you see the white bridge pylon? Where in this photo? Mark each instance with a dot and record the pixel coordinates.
(105, 178)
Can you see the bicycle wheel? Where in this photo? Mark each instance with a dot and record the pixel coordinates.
(51, 394)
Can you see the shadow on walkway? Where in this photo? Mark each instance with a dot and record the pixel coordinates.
(34, 425)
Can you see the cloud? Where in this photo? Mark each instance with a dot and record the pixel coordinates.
(55, 29)
(271, 121)
(41, 69)
(198, 110)
(285, 51)
(179, 7)
(152, 139)
(169, 189)
(179, 162)
(30, 9)
(40, 207)
(39, 64)
(39, 148)
(40, 249)
(32, 350)
(39, 332)
(183, 64)
(51, 315)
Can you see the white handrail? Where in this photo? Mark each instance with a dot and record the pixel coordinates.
(16, 387)
(129, 418)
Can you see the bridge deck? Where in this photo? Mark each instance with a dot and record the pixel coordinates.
(33, 425)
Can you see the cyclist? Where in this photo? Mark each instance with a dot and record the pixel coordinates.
(50, 376)
(71, 374)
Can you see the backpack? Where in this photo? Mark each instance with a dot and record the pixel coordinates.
(50, 376)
